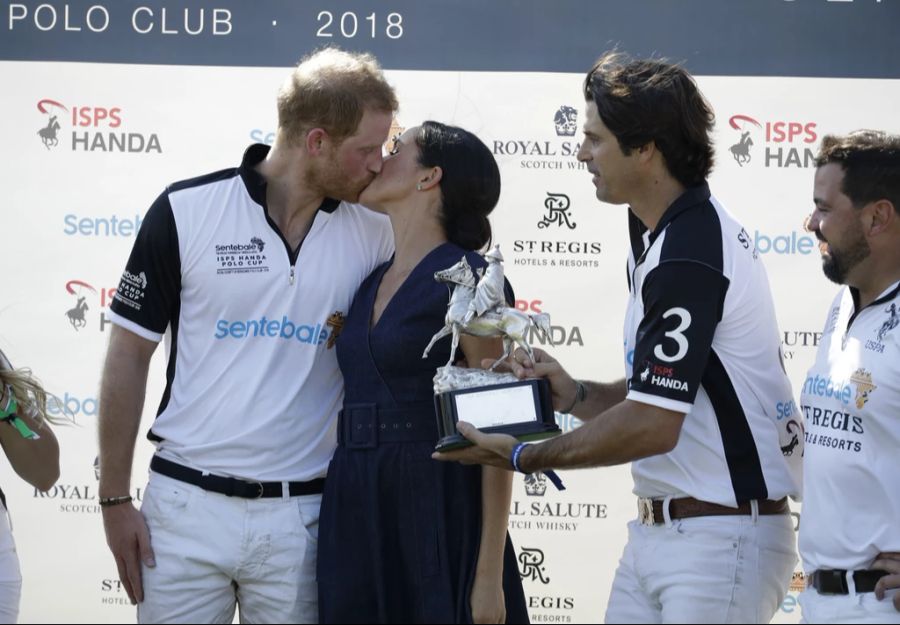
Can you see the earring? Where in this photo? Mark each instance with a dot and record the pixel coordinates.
(418, 186)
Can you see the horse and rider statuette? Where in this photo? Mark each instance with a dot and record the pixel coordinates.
(478, 307)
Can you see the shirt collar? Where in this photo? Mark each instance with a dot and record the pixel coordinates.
(691, 197)
(256, 183)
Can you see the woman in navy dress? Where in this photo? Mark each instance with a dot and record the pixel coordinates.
(403, 538)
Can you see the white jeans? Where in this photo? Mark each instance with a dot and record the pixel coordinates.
(10, 576)
(727, 569)
(852, 608)
(214, 551)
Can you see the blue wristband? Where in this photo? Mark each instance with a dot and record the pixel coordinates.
(514, 457)
(514, 461)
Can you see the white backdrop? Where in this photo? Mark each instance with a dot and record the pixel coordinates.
(69, 214)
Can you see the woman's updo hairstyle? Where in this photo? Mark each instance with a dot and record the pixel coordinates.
(470, 183)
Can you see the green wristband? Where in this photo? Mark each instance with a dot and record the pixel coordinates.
(8, 414)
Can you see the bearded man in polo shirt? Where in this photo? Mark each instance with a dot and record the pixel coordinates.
(850, 530)
(249, 270)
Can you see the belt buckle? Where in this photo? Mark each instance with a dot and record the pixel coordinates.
(645, 511)
(261, 490)
(829, 582)
(360, 425)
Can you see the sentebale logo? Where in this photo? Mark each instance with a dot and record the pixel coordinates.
(263, 328)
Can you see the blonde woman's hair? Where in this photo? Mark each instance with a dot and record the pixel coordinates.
(30, 394)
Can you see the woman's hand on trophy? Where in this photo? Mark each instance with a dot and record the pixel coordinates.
(490, 449)
(562, 385)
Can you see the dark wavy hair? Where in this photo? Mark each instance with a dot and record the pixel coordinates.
(871, 163)
(470, 183)
(651, 100)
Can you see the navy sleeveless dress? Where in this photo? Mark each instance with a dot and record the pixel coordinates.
(399, 532)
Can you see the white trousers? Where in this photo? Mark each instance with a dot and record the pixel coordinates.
(213, 552)
(10, 575)
(727, 569)
(852, 608)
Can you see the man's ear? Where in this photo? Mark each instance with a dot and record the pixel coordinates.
(882, 217)
(316, 140)
(646, 151)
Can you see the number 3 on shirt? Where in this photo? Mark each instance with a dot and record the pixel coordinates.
(676, 335)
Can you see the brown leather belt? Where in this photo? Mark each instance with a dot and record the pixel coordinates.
(650, 511)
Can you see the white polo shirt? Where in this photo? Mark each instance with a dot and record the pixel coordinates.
(851, 401)
(252, 383)
(701, 338)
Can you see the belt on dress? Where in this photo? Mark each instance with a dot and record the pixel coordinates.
(834, 581)
(650, 511)
(232, 486)
(366, 425)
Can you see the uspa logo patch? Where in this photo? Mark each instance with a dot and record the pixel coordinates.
(890, 323)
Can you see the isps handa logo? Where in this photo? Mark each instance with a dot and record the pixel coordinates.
(777, 143)
(87, 304)
(241, 257)
(91, 128)
(663, 376)
(540, 152)
(557, 335)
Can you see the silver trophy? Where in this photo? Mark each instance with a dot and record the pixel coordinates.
(490, 400)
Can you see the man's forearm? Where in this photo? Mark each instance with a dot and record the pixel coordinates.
(122, 393)
(628, 431)
(599, 397)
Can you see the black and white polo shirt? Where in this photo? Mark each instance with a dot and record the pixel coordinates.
(701, 338)
(252, 383)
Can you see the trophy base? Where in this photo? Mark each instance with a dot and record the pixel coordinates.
(458, 441)
(522, 409)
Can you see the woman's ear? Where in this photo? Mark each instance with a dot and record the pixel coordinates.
(431, 180)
